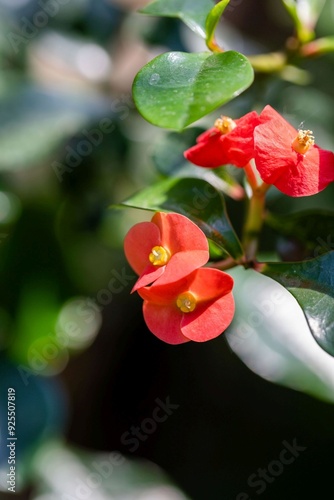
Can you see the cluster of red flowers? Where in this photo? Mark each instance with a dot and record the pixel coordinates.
(183, 301)
(284, 157)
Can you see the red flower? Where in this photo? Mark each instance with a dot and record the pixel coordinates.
(169, 247)
(227, 142)
(288, 158)
(198, 307)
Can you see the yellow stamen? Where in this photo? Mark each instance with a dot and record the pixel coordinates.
(159, 256)
(303, 142)
(186, 302)
(225, 124)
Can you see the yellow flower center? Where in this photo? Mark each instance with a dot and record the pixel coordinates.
(186, 302)
(303, 142)
(159, 256)
(225, 124)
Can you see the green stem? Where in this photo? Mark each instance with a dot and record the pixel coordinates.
(253, 225)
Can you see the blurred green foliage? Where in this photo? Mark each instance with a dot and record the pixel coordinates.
(71, 145)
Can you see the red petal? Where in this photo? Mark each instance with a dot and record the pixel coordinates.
(208, 150)
(166, 294)
(182, 264)
(309, 175)
(178, 233)
(273, 152)
(164, 322)
(150, 274)
(236, 147)
(208, 283)
(269, 113)
(239, 144)
(278, 164)
(208, 320)
(138, 244)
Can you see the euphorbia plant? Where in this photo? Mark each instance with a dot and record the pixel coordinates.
(183, 298)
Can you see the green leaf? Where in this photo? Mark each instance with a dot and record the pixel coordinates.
(196, 199)
(192, 12)
(270, 334)
(312, 284)
(312, 228)
(176, 89)
(213, 19)
(305, 14)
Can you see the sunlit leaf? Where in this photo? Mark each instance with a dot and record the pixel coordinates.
(312, 284)
(272, 337)
(176, 88)
(213, 20)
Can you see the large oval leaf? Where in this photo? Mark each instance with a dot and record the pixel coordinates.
(193, 13)
(270, 334)
(312, 284)
(176, 89)
(199, 201)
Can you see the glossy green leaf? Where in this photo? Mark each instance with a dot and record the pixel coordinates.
(176, 89)
(312, 284)
(196, 199)
(270, 334)
(192, 12)
(213, 19)
(314, 229)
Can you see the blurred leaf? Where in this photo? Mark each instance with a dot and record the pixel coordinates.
(40, 415)
(312, 284)
(35, 331)
(193, 13)
(313, 228)
(213, 19)
(169, 160)
(176, 89)
(33, 123)
(196, 199)
(113, 475)
(270, 334)
(305, 14)
(319, 46)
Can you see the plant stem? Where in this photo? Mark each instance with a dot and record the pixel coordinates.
(253, 224)
(251, 176)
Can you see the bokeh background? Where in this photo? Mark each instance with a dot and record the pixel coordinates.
(104, 409)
